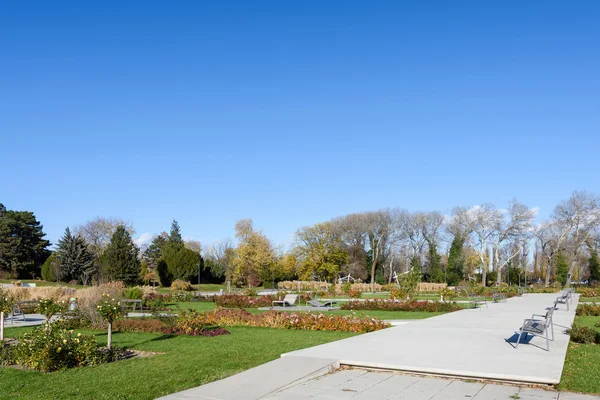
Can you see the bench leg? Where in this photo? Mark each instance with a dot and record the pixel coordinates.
(519, 339)
(547, 340)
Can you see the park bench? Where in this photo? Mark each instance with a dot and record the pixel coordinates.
(131, 304)
(21, 308)
(476, 300)
(498, 297)
(565, 298)
(288, 301)
(538, 327)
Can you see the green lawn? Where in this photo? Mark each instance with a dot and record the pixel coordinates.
(185, 362)
(582, 366)
(206, 306)
(590, 299)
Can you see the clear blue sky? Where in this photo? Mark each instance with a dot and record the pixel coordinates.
(293, 112)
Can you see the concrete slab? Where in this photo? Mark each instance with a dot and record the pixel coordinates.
(261, 381)
(469, 343)
(387, 386)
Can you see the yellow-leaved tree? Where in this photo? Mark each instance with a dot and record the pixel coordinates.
(254, 260)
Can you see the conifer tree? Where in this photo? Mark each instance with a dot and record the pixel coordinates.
(75, 260)
(594, 265)
(120, 259)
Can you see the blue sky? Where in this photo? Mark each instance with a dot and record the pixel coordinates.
(293, 112)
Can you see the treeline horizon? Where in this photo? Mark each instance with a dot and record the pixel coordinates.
(485, 243)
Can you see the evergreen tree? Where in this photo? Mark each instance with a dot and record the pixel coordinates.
(175, 235)
(455, 267)
(594, 265)
(154, 251)
(120, 259)
(562, 268)
(182, 263)
(435, 264)
(23, 248)
(75, 260)
(51, 269)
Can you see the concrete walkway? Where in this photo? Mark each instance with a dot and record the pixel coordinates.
(477, 343)
(364, 385)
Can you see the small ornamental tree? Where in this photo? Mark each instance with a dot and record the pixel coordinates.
(6, 305)
(109, 310)
(49, 308)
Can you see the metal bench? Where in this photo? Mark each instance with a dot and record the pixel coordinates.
(131, 304)
(20, 308)
(565, 298)
(476, 300)
(538, 327)
(498, 297)
(324, 304)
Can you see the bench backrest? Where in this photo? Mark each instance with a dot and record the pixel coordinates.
(290, 298)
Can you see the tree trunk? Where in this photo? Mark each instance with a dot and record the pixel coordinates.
(373, 267)
(1, 326)
(548, 271)
(109, 335)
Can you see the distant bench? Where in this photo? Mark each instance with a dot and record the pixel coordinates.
(24, 307)
(131, 304)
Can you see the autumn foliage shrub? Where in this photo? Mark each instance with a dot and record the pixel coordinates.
(393, 305)
(584, 335)
(243, 301)
(588, 310)
(282, 320)
(589, 292)
(178, 284)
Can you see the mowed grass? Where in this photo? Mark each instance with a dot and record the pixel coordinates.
(207, 306)
(582, 365)
(184, 362)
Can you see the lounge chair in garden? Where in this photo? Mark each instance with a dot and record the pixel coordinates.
(288, 301)
(317, 303)
(538, 327)
(498, 297)
(565, 298)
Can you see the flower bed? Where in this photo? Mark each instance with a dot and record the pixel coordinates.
(166, 326)
(243, 301)
(588, 310)
(584, 335)
(588, 292)
(51, 347)
(284, 320)
(393, 305)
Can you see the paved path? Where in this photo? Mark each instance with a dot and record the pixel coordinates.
(468, 343)
(363, 385)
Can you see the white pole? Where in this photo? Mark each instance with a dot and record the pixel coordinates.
(1, 326)
(109, 335)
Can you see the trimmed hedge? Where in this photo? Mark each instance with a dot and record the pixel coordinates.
(393, 305)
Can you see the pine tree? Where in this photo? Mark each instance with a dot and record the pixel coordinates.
(75, 260)
(562, 268)
(23, 248)
(594, 265)
(435, 264)
(154, 251)
(120, 259)
(455, 261)
(175, 235)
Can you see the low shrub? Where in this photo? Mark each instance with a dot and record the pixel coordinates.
(134, 293)
(398, 293)
(168, 325)
(448, 294)
(588, 310)
(140, 325)
(346, 287)
(51, 347)
(251, 292)
(393, 305)
(584, 335)
(283, 320)
(355, 294)
(243, 301)
(185, 286)
(181, 296)
(588, 291)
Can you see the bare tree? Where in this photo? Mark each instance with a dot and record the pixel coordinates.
(99, 231)
(551, 237)
(378, 231)
(486, 222)
(516, 223)
(581, 213)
